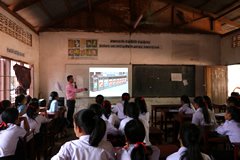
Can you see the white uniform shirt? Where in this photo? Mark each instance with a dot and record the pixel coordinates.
(231, 129)
(113, 119)
(145, 124)
(144, 116)
(80, 149)
(179, 153)
(53, 106)
(110, 129)
(9, 139)
(118, 109)
(186, 109)
(36, 124)
(198, 118)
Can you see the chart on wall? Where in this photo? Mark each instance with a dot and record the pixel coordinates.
(82, 48)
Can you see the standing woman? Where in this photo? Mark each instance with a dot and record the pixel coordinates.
(90, 129)
(71, 90)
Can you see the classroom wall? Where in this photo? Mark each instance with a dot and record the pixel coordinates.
(229, 55)
(194, 49)
(31, 53)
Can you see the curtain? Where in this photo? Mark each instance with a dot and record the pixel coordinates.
(23, 75)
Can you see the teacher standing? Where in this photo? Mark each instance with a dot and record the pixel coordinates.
(71, 90)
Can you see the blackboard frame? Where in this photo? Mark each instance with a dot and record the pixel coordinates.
(156, 81)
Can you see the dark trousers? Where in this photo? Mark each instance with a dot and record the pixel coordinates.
(70, 112)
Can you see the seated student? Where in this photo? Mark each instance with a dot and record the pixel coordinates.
(231, 126)
(53, 103)
(202, 116)
(4, 104)
(119, 107)
(132, 112)
(10, 132)
(144, 114)
(232, 102)
(135, 148)
(186, 107)
(189, 137)
(108, 115)
(99, 99)
(20, 103)
(110, 129)
(90, 129)
(34, 119)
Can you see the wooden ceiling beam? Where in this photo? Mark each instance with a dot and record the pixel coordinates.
(18, 17)
(225, 20)
(230, 8)
(228, 11)
(23, 4)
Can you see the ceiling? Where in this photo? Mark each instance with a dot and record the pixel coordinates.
(147, 16)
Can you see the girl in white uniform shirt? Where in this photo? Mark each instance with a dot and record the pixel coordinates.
(144, 114)
(90, 129)
(10, 132)
(119, 107)
(53, 103)
(186, 107)
(203, 116)
(189, 137)
(108, 115)
(132, 111)
(135, 148)
(231, 126)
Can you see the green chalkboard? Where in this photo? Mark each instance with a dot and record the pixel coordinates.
(163, 80)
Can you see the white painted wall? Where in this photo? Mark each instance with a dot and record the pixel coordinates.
(229, 55)
(54, 48)
(31, 52)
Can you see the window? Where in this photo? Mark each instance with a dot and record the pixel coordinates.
(8, 80)
(233, 78)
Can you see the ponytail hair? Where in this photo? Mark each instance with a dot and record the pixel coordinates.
(199, 101)
(190, 136)
(53, 96)
(140, 102)
(208, 102)
(132, 110)
(91, 124)
(10, 115)
(135, 134)
(125, 99)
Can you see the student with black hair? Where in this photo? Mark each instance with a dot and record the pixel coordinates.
(53, 102)
(119, 108)
(202, 116)
(10, 132)
(90, 129)
(99, 99)
(108, 115)
(4, 104)
(189, 137)
(132, 112)
(135, 149)
(231, 126)
(186, 107)
(141, 103)
(20, 103)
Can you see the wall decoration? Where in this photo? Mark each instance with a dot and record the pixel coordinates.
(236, 41)
(79, 48)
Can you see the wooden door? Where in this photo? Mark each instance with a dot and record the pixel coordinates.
(216, 83)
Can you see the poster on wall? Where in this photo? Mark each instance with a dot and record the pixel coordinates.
(82, 48)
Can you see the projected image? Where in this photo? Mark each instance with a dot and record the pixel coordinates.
(110, 82)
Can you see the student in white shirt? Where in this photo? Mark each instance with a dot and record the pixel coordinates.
(90, 129)
(141, 103)
(135, 148)
(203, 116)
(186, 107)
(10, 132)
(119, 108)
(231, 126)
(108, 115)
(20, 103)
(189, 138)
(132, 112)
(53, 103)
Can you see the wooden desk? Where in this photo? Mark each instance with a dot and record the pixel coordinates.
(220, 117)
